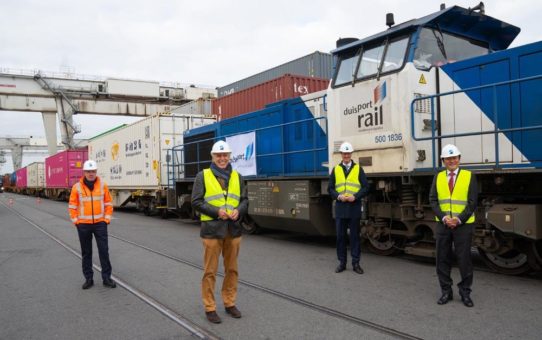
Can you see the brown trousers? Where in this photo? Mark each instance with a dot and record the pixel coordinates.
(229, 247)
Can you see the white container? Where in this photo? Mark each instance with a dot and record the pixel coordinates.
(134, 157)
(35, 175)
(133, 88)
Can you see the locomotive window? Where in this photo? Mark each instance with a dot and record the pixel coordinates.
(395, 55)
(346, 70)
(370, 61)
(436, 48)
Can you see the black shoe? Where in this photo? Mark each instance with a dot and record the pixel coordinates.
(445, 298)
(88, 284)
(358, 269)
(467, 301)
(109, 283)
(213, 317)
(340, 268)
(234, 312)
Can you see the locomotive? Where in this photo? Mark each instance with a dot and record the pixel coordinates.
(399, 96)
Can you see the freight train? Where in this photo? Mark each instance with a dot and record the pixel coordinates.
(398, 96)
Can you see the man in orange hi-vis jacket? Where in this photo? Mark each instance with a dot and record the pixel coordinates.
(91, 210)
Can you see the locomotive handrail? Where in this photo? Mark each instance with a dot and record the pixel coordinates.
(175, 166)
(496, 131)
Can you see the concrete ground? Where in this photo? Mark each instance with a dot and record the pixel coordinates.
(41, 286)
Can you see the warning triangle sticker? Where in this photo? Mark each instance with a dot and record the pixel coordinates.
(422, 80)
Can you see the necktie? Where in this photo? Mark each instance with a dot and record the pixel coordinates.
(451, 182)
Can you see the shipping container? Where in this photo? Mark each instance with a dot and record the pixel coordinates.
(20, 179)
(283, 147)
(257, 97)
(6, 182)
(200, 107)
(13, 181)
(35, 176)
(62, 171)
(133, 88)
(132, 159)
(317, 64)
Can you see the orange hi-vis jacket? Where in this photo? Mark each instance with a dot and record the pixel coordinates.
(90, 207)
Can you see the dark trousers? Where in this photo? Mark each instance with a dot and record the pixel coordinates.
(461, 238)
(99, 230)
(342, 224)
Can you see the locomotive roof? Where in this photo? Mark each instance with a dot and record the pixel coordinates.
(456, 20)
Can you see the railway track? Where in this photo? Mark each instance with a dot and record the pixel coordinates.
(196, 330)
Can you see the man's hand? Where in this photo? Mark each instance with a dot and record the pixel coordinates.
(222, 214)
(234, 215)
(450, 222)
(350, 198)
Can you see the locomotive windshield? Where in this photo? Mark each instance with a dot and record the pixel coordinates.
(384, 57)
(436, 48)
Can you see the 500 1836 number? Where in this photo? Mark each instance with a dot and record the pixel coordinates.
(392, 137)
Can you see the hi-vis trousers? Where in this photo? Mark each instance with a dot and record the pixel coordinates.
(229, 247)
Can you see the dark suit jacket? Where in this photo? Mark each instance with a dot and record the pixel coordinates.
(472, 199)
(348, 209)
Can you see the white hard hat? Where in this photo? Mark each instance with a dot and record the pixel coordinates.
(346, 148)
(90, 165)
(220, 147)
(449, 150)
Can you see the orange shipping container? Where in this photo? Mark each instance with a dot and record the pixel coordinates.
(257, 97)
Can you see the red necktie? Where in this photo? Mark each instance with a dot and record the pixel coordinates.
(451, 182)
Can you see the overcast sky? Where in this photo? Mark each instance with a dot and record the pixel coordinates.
(201, 42)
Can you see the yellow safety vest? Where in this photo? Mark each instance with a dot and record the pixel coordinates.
(350, 185)
(453, 204)
(216, 196)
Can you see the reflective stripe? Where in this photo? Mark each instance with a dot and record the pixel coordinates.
(230, 207)
(71, 206)
(214, 197)
(108, 204)
(458, 202)
(102, 205)
(89, 217)
(107, 217)
(234, 196)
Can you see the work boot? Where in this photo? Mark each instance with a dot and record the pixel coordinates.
(358, 269)
(467, 301)
(88, 284)
(213, 317)
(446, 296)
(340, 268)
(109, 283)
(234, 312)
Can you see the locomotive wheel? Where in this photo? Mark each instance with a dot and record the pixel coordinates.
(513, 262)
(384, 245)
(249, 226)
(380, 241)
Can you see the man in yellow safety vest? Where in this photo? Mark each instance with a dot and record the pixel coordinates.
(219, 194)
(347, 186)
(453, 198)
